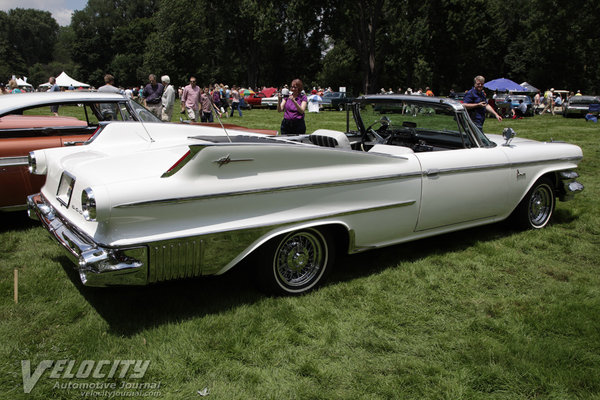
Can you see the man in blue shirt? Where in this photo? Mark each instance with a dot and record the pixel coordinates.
(476, 103)
(153, 96)
(53, 88)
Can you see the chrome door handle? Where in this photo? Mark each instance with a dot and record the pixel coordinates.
(433, 172)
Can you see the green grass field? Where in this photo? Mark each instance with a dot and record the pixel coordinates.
(486, 313)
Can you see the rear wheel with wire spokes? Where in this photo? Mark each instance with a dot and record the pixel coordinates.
(296, 262)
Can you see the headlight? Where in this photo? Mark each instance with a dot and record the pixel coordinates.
(88, 204)
(37, 162)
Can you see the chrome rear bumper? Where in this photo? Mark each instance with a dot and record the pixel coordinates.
(98, 265)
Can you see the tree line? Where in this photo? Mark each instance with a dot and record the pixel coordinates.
(360, 44)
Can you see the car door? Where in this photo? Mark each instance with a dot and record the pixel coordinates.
(462, 186)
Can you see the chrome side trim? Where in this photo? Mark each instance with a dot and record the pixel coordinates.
(486, 167)
(19, 207)
(14, 161)
(474, 168)
(489, 217)
(561, 159)
(409, 175)
(175, 259)
(179, 200)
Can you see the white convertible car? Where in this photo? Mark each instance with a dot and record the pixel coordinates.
(143, 203)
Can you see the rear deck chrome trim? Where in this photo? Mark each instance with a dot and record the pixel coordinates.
(271, 190)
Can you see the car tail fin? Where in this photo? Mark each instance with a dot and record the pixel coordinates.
(178, 165)
(186, 158)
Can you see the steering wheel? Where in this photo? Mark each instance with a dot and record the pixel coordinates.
(376, 133)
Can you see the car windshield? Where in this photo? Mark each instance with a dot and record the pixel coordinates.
(513, 98)
(517, 98)
(332, 94)
(143, 114)
(584, 100)
(427, 119)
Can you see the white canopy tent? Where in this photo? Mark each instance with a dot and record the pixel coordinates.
(64, 80)
(23, 82)
(529, 87)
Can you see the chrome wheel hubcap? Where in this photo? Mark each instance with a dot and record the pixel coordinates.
(300, 258)
(540, 205)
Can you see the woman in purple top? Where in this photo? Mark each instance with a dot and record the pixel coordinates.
(293, 107)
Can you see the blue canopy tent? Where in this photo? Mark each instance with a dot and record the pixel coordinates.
(504, 85)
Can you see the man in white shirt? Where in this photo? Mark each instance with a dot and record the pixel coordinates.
(167, 99)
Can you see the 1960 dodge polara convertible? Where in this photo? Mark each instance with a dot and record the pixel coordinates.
(145, 203)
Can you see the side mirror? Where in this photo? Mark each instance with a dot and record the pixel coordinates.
(508, 134)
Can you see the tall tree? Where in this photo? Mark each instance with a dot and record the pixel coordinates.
(182, 44)
(12, 61)
(361, 20)
(555, 48)
(109, 29)
(33, 34)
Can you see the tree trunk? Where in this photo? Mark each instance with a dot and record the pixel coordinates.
(369, 11)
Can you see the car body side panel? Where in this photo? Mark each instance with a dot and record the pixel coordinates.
(453, 182)
(531, 160)
(245, 202)
(206, 197)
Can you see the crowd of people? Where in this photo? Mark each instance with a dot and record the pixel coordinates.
(202, 103)
(197, 103)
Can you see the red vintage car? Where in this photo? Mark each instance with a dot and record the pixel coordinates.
(254, 100)
(28, 122)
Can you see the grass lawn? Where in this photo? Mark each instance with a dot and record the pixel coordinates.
(486, 313)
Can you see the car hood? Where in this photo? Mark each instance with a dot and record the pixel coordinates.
(499, 140)
(528, 150)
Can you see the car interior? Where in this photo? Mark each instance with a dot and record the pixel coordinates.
(417, 127)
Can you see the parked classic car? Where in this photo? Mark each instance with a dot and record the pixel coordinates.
(270, 102)
(458, 96)
(336, 100)
(254, 100)
(144, 203)
(578, 106)
(27, 123)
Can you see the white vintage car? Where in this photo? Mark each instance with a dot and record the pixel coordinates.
(144, 203)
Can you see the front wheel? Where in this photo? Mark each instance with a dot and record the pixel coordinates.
(296, 262)
(536, 208)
